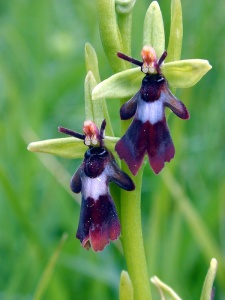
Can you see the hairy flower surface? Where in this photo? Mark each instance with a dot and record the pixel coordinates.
(99, 222)
(149, 133)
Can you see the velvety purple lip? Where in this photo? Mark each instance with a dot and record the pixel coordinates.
(148, 134)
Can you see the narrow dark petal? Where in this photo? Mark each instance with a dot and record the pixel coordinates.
(130, 59)
(71, 132)
(118, 176)
(98, 223)
(101, 133)
(132, 146)
(160, 146)
(174, 104)
(76, 183)
(162, 58)
(129, 108)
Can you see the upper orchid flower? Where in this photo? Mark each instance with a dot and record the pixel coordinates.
(149, 133)
(99, 222)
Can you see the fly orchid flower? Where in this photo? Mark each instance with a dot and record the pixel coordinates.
(148, 132)
(99, 222)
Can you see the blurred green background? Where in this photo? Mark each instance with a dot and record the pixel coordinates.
(42, 73)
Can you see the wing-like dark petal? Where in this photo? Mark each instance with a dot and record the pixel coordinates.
(174, 104)
(98, 223)
(160, 146)
(76, 183)
(129, 108)
(132, 146)
(118, 176)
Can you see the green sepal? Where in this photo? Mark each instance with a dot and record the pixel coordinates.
(91, 61)
(180, 74)
(67, 147)
(154, 35)
(94, 111)
(126, 288)
(121, 85)
(185, 73)
(176, 32)
(95, 107)
(208, 284)
(88, 87)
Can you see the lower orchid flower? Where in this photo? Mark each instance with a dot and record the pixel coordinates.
(149, 133)
(99, 222)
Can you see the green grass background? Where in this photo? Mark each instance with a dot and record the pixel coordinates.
(42, 73)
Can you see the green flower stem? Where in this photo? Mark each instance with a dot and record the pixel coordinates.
(130, 202)
(132, 239)
(124, 10)
(125, 25)
(110, 35)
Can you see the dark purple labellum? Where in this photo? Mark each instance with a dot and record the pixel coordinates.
(148, 132)
(99, 222)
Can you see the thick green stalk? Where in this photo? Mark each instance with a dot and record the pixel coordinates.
(110, 35)
(114, 40)
(130, 202)
(132, 239)
(125, 26)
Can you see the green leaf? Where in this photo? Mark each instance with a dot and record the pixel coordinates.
(176, 32)
(121, 85)
(154, 29)
(67, 147)
(49, 270)
(126, 288)
(208, 284)
(91, 61)
(185, 73)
